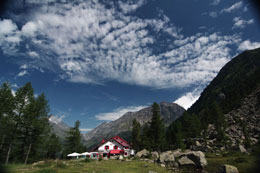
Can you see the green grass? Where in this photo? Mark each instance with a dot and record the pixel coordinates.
(76, 166)
(244, 163)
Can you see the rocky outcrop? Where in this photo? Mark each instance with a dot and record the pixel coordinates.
(228, 169)
(243, 127)
(167, 158)
(142, 153)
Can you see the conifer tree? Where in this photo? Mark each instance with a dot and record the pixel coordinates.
(73, 140)
(136, 135)
(157, 131)
(53, 146)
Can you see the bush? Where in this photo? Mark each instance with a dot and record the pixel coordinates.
(100, 159)
(61, 165)
(48, 170)
(87, 160)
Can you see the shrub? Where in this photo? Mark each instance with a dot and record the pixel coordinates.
(61, 165)
(87, 160)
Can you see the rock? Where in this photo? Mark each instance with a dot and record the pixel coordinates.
(176, 153)
(222, 148)
(142, 153)
(38, 163)
(162, 165)
(155, 155)
(120, 157)
(242, 149)
(152, 172)
(197, 143)
(198, 158)
(166, 157)
(105, 158)
(184, 161)
(227, 169)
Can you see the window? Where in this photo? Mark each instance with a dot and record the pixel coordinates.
(115, 147)
(125, 153)
(106, 147)
(126, 147)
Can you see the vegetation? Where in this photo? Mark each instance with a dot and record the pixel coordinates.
(24, 124)
(25, 130)
(73, 140)
(95, 166)
(152, 136)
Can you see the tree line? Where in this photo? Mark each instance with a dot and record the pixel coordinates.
(154, 136)
(25, 131)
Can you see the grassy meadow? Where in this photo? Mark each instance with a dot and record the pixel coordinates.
(244, 163)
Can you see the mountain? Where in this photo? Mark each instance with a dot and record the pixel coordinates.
(228, 109)
(58, 127)
(236, 80)
(123, 126)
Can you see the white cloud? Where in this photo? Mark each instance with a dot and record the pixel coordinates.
(232, 8)
(187, 100)
(56, 119)
(29, 29)
(213, 14)
(117, 113)
(7, 27)
(240, 23)
(22, 73)
(248, 45)
(89, 43)
(85, 130)
(215, 2)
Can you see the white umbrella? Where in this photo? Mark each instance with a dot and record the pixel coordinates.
(73, 155)
(86, 154)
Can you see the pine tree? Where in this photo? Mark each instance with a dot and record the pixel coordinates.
(157, 130)
(146, 137)
(73, 140)
(6, 117)
(53, 146)
(136, 135)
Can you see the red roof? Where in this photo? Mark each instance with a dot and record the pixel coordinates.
(121, 141)
(115, 138)
(116, 151)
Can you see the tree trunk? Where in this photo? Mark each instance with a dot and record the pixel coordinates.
(8, 154)
(28, 152)
(2, 143)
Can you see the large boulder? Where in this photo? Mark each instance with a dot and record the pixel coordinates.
(167, 157)
(242, 149)
(198, 157)
(227, 169)
(142, 153)
(154, 155)
(185, 161)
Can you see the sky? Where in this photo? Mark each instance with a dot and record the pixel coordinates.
(98, 59)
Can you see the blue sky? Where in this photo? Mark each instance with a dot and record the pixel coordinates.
(97, 59)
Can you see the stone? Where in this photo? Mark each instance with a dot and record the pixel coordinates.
(242, 149)
(142, 153)
(177, 153)
(162, 165)
(227, 169)
(105, 158)
(120, 157)
(197, 143)
(152, 172)
(198, 157)
(38, 163)
(154, 155)
(184, 161)
(166, 157)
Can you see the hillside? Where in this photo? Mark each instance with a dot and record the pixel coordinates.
(122, 126)
(58, 127)
(237, 79)
(226, 114)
